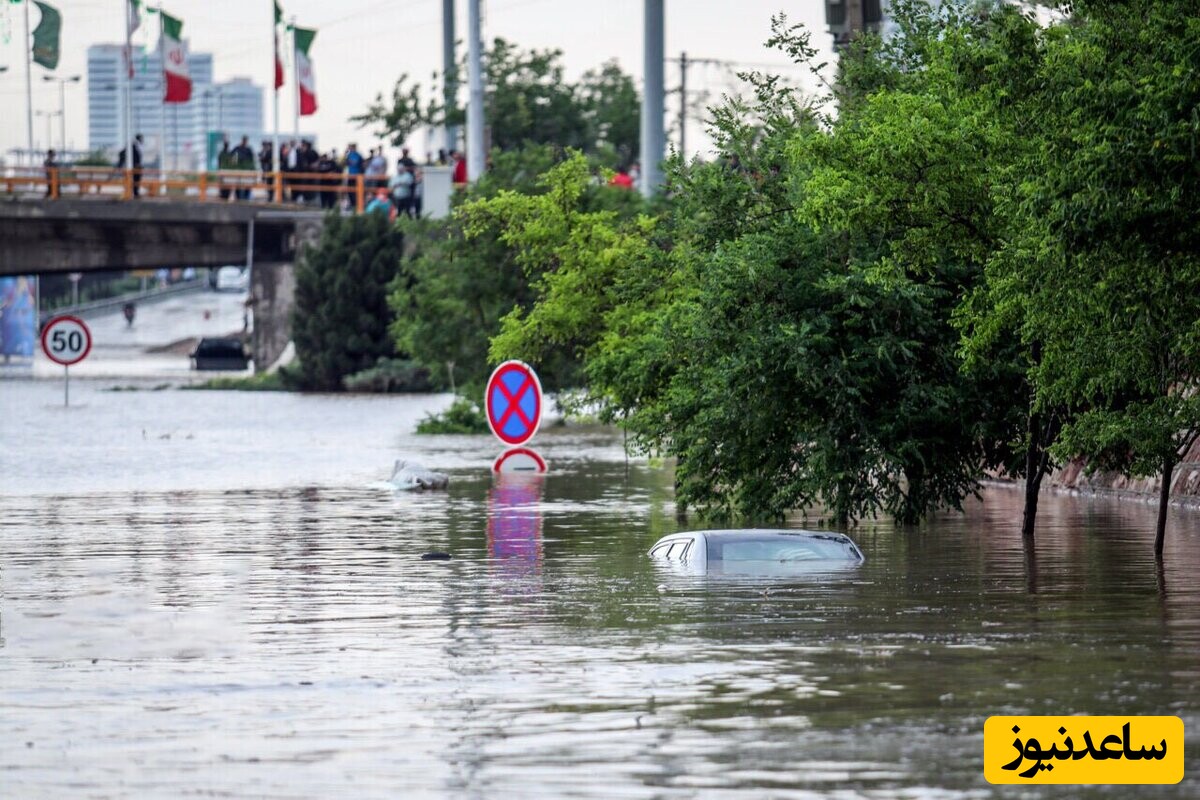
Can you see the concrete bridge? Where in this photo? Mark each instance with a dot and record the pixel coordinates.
(93, 235)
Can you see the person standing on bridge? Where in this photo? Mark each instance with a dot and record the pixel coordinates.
(266, 159)
(243, 159)
(51, 165)
(136, 162)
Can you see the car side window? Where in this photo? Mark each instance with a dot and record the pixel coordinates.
(678, 549)
(660, 551)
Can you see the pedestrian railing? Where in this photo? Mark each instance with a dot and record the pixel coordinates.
(328, 190)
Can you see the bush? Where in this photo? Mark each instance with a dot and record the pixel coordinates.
(464, 416)
(390, 375)
(263, 382)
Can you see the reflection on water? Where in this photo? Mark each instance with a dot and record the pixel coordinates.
(281, 637)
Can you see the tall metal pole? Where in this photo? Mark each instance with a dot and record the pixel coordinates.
(162, 98)
(653, 139)
(278, 55)
(128, 104)
(62, 118)
(475, 154)
(683, 65)
(296, 86)
(449, 71)
(28, 82)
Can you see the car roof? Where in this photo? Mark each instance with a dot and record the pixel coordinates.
(767, 533)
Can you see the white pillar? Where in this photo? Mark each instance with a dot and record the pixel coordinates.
(653, 138)
(476, 158)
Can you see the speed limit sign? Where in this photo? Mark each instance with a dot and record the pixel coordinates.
(66, 340)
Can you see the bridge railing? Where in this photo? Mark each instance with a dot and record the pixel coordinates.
(202, 187)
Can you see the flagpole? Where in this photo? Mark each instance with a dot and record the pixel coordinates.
(129, 16)
(296, 81)
(162, 100)
(275, 159)
(29, 83)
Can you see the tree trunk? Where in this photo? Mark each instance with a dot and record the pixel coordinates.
(1164, 501)
(1033, 475)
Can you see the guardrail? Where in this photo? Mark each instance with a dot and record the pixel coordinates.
(217, 186)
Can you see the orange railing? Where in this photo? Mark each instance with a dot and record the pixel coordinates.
(212, 187)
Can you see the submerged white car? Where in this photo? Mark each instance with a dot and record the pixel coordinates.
(758, 551)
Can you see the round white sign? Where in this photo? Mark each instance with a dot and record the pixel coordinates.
(66, 340)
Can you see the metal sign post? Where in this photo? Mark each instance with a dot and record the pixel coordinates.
(66, 340)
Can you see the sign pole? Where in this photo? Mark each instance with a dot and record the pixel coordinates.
(66, 340)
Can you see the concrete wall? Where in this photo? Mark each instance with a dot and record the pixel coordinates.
(1185, 481)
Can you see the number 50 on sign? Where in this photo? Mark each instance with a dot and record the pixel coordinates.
(66, 340)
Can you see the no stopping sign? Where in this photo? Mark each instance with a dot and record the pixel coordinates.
(66, 340)
(513, 402)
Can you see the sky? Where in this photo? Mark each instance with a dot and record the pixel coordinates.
(362, 46)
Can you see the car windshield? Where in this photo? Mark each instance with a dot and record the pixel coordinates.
(780, 547)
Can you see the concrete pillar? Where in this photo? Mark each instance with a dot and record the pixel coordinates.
(476, 158)
(653, 90)
(449, 71)
(273, 294)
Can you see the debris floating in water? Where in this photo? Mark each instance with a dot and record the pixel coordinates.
(408, 475)
(436, 555)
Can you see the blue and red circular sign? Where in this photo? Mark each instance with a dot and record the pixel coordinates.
(513, 401)
(520, 460)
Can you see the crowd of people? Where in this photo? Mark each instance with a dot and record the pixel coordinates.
(329, 179)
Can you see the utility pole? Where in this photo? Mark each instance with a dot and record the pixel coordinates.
(476, 160)
(683, 65)
(449, 71)
(653, 145)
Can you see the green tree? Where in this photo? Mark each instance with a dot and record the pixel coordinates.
(1112, 294)
(529, 101)
(341, 314)
(453, 289)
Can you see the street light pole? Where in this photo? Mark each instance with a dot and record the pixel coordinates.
(62, 106)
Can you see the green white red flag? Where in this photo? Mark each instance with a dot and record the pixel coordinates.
(133, 21)
(278, 58)
(175, 66)
(303, 38)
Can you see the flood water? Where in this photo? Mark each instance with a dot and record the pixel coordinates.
(210, 594)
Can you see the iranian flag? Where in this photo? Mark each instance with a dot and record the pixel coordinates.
(278, 59)
(133, 21)
(304, 70)
(174, 56)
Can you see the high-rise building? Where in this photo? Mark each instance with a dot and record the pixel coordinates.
(175, 132)
(848, 17)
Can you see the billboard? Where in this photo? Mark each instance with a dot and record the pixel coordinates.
(18, 317)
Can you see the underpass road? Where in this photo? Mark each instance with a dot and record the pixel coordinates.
(122, 351)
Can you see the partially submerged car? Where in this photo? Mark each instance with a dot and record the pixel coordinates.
(756, 551)
(220, 353)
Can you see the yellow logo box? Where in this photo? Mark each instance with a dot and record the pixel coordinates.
(1037, 750)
